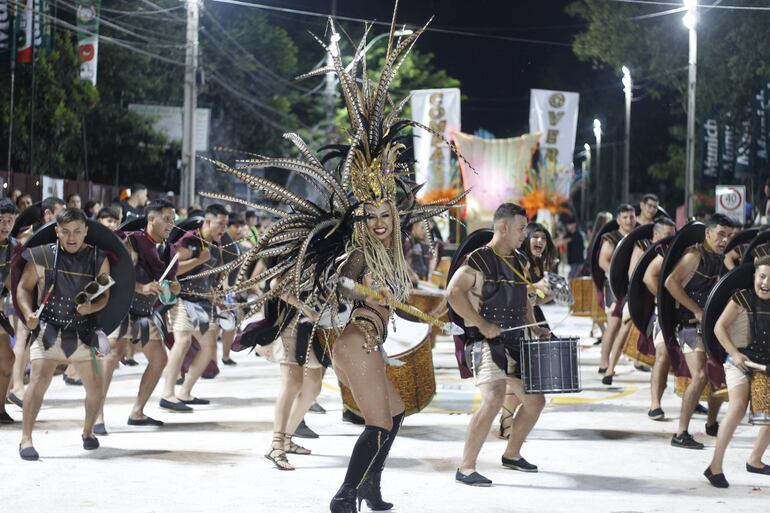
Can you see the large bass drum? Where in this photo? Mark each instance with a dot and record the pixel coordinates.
(414, 379)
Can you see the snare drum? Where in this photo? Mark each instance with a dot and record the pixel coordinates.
(760, 399)
(415, 379)
(550, 366)
(631, 348)
(682, 383)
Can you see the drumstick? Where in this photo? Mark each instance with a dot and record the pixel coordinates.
(758, 366)
(525, 326)
(449, 328)
(168, 269)
(44, 301)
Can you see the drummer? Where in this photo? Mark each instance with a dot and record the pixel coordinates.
(626, 222)
(489, 292)
(743, 329)
(689, 283)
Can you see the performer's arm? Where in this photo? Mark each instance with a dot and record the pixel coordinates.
(101, 302)
(722, 332)
(25, 295)
(684, 268)
(188, 262)
(457, 294)
(636, 254)
(605, 256)
(540, 331)
(652, 275)
(731, 258)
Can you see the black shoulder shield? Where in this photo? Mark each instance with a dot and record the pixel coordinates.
(741, 277)
(641, 302)
(621, 259)
(760, 238)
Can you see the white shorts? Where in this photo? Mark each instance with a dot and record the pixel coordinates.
(734, 377)
(488, 371)
(38, 352)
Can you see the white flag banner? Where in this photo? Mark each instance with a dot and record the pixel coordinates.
(554, 114)
(52, 187)
(439, 109)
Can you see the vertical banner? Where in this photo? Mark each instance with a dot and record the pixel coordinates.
(554, 114)
(440, 110)
(32, 25)
(710, 146)
(727, 152)
(744, 166)
(759, 130)
(88, 37)
(6, 31)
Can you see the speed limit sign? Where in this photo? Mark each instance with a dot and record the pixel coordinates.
(731, 201)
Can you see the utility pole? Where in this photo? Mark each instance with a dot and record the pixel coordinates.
(329, 89)
(628, 87)
(597, 175)
(690, 21)
(187, 186)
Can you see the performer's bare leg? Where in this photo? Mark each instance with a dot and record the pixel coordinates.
(508, 412)
(227, 343)
(156, 362)
(659, 376)
(208, 351)
(492, 397)
(182, 341)
(39, 380)
(696, 362)
(617, 346)
(739, 401)
(311, 387)
(610, 332)
(109, 363)
(760, 446)
(6, 368)
(94, 395)
(21, 354)
(531, 407)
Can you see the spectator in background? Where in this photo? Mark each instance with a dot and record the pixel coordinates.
(15, 195)
(576, 246)
(109, 217)
(73, 200)
(134, 205)
(252, 227)
(417, 254)
(51, 206)
(92, 208)
(24, 201)
(236, 227)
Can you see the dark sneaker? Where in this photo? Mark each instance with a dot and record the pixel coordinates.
(28, 454)
(713, 429)
(196, 401)
(15, 400)
(90, 442)
(656, 414)
(303, 431)
(100, 429)
(641, 367)
(521, 465)
(349, 416)
(685, 441)
(146, 421)
(175, 407)
(701, 410)
(472, 479)
(716, 480)
(5, 418)
(74, 382)
(765, 469)
(229, 361)
(316, 408)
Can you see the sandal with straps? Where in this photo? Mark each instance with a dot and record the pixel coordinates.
(278, 455)
(505, 430)
(292, 448)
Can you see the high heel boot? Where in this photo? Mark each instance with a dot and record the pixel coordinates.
(362, 459)
(369, 490)
(344, 501)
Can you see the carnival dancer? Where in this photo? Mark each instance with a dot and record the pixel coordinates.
(63, 330)
(489, 292)
(151, 255)
(626, 218)
(193, 313)
(8, 213)
(540, 252)
(743, 330)
(662, 228)
(689, 283)
(651, 279)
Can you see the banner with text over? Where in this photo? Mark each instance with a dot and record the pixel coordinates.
(554, 114)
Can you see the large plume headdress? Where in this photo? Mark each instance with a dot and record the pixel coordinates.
(312, 238)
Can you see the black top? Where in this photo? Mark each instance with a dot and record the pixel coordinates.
(576, 248)
(130, 212)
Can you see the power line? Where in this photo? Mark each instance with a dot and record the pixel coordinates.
(672, 4)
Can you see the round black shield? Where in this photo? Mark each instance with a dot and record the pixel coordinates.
(741, 277)
(184, 226)
(31, 215)
(760, 238)
(744, 237)
(597, 275)
(621, 259)
(133, 225)
(641, 302)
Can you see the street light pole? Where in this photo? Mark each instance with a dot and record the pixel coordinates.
(187, 186)
(598, 136)
(628, 86)
(690, 21)
(586, 182)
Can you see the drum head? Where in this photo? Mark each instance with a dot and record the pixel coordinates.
(406, 336)
(742, 277)
(121, 270)
(690, 234)
(760, 238)
(744, 237)
(621, 259)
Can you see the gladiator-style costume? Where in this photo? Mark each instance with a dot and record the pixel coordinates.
(152, 260)
(613, 238)
(698, 288)
(195, 293)
(66, 275)
(758, 310)
(503, 302)
(6, 252)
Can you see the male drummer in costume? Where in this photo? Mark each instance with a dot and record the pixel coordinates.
(151, 255)
(489, 292)
(743, 330)
(193, 313)
(689, 283)
(8, 213)
(63, 331)
(651, 278)
(626, 219)
(648, 209)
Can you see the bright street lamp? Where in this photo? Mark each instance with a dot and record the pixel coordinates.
(597, 175)
(628, 86)
(586, 182)
(690, 21)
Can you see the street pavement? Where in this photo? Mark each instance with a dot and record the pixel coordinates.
(596, 450)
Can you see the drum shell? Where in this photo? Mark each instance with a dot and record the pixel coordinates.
(631, 348)
(597, 312)
(583, 290)
(759, 386)
(683, 382)
(550, 366)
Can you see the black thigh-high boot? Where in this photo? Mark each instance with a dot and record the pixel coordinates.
(368, 446)
(369, 490)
